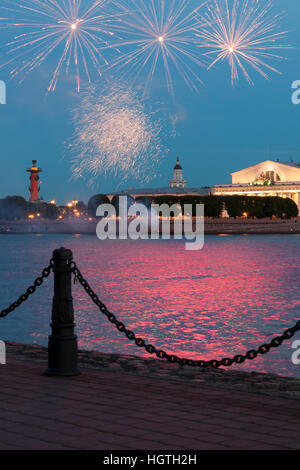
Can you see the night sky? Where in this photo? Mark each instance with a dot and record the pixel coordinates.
(221, 130)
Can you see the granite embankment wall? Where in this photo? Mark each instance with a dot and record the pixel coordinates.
(38, 227)
(249, 226)
(212, 226)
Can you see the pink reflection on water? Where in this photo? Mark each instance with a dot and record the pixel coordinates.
(228, 298)
(235, 294)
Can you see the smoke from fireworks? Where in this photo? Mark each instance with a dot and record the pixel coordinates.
(160, 33)
(114, 134)
(243, 32)
(74, 29)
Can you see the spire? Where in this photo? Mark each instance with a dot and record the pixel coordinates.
(178, 166)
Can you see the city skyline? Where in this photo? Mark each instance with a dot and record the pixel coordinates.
(218, 131)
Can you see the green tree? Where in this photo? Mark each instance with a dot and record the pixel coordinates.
(291, 208)
(95, 202)
(13, 207)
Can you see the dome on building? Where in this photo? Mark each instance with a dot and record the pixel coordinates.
(177, 166)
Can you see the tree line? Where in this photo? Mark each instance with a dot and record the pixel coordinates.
(236, 206)
(17, 208)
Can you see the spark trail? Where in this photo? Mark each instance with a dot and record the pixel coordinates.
(115, 134)
(76, 32)
(244, 32)
(160, 34)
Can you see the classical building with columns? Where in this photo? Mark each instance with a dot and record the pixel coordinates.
(269, 178)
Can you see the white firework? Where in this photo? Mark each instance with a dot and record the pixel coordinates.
(115, 135)
(160, 34)
(246, 33)
(75, 31)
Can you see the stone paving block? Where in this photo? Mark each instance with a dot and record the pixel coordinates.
(106, 411)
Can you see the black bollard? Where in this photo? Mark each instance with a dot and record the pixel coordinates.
(62, 349)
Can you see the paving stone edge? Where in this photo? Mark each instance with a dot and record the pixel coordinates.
(269, 384)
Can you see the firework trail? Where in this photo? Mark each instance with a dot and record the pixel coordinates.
(243, 32)
(160, 33)
(76, 30)
(115, 135)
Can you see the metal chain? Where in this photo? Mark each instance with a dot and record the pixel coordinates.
(37, 283)
(225, 362)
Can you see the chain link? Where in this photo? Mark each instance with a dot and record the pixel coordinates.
(149, 348)
(31, 290)
(140, 342)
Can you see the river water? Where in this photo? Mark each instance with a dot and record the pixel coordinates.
(236, 293)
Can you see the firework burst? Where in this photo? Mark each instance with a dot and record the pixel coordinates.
(243, 32)
(160, 33)
(77, 31)
(115, 134)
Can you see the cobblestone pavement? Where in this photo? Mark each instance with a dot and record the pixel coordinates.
(113, 411)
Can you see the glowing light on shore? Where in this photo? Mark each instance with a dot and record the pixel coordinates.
(246, 33)
(75, 31)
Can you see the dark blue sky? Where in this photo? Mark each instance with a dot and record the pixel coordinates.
(222, 130)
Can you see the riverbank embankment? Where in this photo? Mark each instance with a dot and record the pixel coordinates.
(211, 226)
(230, 378)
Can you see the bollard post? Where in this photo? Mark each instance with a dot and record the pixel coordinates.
(62, 349)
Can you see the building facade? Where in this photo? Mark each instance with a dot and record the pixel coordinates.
(269, 178)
